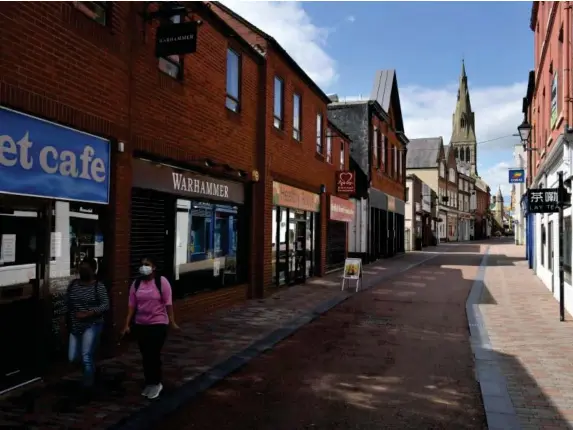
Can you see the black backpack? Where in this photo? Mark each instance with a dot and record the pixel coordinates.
(157, 279)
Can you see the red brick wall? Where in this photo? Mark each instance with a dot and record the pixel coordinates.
(105, 80)
(386, 179)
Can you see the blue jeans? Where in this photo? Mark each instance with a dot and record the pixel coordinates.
(84, 345)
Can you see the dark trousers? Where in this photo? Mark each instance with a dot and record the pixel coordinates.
(151, 339)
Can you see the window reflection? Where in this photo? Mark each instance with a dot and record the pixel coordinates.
(206, 245)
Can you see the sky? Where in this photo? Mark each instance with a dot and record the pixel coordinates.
(341, 45)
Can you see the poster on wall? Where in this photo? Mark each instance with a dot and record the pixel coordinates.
(352, 272)
(98, 246)
(8, 248)
(56, 244)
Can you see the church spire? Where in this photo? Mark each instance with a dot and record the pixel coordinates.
(463, 125)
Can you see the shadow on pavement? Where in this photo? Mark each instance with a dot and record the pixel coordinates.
(394, 357)
(532, 407)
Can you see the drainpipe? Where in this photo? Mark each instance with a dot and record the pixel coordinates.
(567, 71)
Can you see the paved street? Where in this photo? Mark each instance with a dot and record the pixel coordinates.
(396, 356)
(534, 348)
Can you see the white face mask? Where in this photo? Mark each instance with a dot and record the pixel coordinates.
(145, 270)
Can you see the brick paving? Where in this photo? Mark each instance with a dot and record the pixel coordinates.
(200, 346)
(534, 349)
(395, 357)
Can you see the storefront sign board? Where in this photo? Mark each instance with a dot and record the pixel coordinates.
(345, 182)
(295, 198)
(44, 159)
(543, 200)
(176, 39)
(341, 210)
(352, 272)
(168, 179)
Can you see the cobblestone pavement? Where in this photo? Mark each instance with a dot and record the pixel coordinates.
(395, 357)
(534, 349)
(199, 347)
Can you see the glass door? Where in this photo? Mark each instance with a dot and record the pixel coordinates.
(23, 230)
(297, 232)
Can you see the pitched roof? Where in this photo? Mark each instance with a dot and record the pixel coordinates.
(277, 46)
(423, 153)
(385, 91)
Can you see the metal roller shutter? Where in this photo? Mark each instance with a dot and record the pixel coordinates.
(335, 244)
(148, 229)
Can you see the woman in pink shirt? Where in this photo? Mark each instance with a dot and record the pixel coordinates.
(150, 300)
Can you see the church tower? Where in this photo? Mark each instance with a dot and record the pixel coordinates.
(463, 126)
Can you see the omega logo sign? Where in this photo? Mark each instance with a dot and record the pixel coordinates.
(64, 163)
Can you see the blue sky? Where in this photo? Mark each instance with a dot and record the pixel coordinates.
(342, 44)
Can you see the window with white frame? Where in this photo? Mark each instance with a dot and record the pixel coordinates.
(319, 144)
(395, 161)
(452, 175)
(383, 151)
(296, 108)
(342, 155)
(233, 80)
(442, 170)
(173, 64)
(328, 145)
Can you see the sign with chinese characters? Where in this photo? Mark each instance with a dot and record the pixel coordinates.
(543, 200)
(345, 182)
(516, 176)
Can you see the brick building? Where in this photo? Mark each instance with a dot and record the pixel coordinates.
(378, 152)
(114, 154)
(303, 153)
(482, 228)
(549, 150)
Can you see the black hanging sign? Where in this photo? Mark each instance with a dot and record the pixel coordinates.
(176, 39)
(543, 200)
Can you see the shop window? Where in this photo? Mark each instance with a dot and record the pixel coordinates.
(96, 10)
(543, 244)
(206, 246)
(173, 64)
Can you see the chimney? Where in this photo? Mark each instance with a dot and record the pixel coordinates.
(334, 98)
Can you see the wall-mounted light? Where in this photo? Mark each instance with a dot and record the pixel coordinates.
(322, 189)
(208, 163)
(241, 173)
(255, 175)
(120, 146)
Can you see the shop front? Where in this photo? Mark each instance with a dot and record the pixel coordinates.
(396, 226)
(194, 227)
(378, 225)
(452, 227)
(54, 192)
(340, 215)
(295, 242)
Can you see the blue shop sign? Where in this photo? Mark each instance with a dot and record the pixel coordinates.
(43, 159)
(516, 176)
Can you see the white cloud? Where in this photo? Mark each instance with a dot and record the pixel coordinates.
(497, 176)
(292, 27)
(428, 112)
(351, 18)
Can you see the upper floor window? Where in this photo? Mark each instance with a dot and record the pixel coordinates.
(452, 175)
(400, 165)
(329, 145)
(395, 161)
(442, 170)
(172, 65)
(342, 164)
(233, 80)
(383, 151)
(319, 146)
(296, 108)
(375, 144)
(96, 10)
(278, 103)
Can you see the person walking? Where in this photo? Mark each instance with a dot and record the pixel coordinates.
(86, 303)
(150, 302)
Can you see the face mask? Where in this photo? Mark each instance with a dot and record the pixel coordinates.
(145, 270)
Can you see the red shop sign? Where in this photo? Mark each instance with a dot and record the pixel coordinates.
(345, 182)
(341, 210)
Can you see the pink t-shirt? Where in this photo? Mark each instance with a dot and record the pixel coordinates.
(149, 304)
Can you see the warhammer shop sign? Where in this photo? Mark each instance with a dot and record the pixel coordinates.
(176, 39)
(543, 200)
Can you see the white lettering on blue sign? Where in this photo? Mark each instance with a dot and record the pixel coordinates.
(44, 159)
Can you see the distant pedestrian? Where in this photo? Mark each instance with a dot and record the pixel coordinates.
(150, 302)
(86, 303)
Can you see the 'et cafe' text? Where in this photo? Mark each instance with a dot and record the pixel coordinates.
(52, 162)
